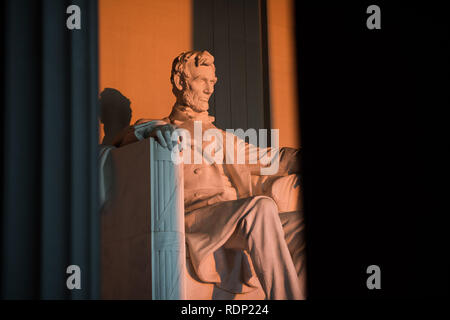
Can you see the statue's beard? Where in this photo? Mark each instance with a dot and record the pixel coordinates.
(191, 100)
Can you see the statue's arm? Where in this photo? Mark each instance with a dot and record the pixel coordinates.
(274, 161)
(283, 161)
(142, 129)
(145, 130)
(290, 161)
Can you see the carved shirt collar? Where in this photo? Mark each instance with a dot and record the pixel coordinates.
(181, 114)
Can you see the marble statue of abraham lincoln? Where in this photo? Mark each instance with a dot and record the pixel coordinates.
(232, 212)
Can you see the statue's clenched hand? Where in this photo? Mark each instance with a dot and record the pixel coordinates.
(166, 136)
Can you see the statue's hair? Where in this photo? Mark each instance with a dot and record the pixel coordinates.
(201, 58)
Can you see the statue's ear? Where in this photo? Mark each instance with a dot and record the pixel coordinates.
(178, 81)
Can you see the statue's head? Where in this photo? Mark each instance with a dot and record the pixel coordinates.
(193, 78)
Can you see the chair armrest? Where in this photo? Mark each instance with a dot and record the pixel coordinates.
(167, 224)
(143, 245)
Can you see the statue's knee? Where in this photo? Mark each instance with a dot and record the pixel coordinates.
(263, 216)
(267, 206)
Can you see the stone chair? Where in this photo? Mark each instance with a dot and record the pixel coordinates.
(143, 251)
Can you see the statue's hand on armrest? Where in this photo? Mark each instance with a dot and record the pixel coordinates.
(162, 131)
(290, 161)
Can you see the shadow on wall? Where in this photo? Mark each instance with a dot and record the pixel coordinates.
(115, 113)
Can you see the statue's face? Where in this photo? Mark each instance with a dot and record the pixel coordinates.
(199, 87)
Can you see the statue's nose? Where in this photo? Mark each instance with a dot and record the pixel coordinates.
(209, 89)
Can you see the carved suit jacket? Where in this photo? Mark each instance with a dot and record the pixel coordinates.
(203, 183)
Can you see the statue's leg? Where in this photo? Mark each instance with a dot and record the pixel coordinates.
(260, 232)
(294, 234)
(285, 191)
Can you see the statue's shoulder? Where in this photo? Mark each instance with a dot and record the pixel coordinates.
(143, 121)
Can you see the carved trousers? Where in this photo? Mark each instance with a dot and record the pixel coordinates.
(275, 243)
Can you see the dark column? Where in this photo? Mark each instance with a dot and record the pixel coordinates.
(49, 206)
(232, 31)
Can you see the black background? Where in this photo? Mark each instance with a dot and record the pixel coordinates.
(374, 137)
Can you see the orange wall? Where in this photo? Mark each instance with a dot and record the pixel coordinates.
(283, 71)
(138, 41)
